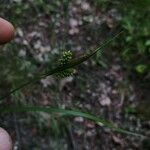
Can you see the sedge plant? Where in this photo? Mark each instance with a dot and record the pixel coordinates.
(65, 68)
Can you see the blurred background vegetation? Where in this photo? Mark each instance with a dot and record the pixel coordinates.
(114, 86)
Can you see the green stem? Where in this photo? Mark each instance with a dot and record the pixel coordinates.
(58, 69)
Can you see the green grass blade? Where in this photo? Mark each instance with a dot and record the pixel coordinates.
(58, 69)
(80, 60)
(65, 112)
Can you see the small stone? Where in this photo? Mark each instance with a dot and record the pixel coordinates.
(79, 119)
(104, 100)
(73, 22)
(19, 32)
(85, 6)
(22, 53)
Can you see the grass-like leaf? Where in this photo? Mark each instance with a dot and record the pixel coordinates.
(65, 112)
(71, 64)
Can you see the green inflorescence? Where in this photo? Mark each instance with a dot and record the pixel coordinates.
(66, 58)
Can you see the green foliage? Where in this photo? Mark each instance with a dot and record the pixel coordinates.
(61, 68)
(66, 63)
(141, 68)
(129, 110)
(14, 70)
(64, 112)
(103, 4)
(136, 48)
(25, 71)
(135, 41)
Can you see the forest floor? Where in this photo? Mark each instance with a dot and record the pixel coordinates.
(99, 86)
